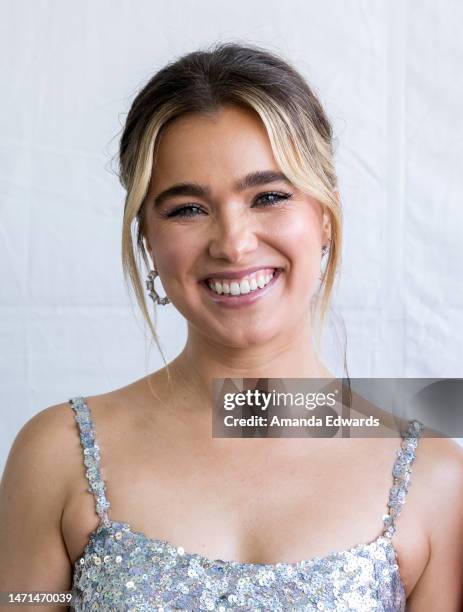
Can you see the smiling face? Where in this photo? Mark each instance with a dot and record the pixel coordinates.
(240, 215)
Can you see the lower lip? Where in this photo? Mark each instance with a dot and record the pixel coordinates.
(236, 301)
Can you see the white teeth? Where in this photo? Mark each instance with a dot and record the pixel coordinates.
(234, 289)
(242, 287)
(245, 287)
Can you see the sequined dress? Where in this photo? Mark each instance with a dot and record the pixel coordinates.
(123, 570)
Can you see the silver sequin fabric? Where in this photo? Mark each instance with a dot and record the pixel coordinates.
(123, 570)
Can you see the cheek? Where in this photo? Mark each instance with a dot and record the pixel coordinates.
(171, 260)
(168, 257)
(298, 237)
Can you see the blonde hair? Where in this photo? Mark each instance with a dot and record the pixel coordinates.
(202, 82)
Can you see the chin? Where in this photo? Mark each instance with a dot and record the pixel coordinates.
(249, 336)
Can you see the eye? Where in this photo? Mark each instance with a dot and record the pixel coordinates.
(185, 211)
(192, 210)
(274, 196)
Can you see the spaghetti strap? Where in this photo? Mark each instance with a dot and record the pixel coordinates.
(401, 471)
(91, 456)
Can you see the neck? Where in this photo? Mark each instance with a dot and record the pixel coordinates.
(202, 359)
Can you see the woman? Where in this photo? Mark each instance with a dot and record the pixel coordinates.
(227, 160)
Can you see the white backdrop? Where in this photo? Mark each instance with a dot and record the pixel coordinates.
(389, 75)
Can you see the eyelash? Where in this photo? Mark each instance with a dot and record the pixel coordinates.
(281, 196)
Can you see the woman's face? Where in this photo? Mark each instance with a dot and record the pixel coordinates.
(226, 211)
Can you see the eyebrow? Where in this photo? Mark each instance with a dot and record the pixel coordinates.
(254, 179)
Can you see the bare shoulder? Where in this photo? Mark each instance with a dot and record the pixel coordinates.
(442, 460)
(33, 491)
(439, 481)
(42, 474)
(40, 458)
(440, 463)
(42, 444)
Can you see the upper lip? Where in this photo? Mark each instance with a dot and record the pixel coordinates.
(236, 273)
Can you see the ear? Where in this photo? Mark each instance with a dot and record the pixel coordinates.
(149, 249)
(326, 225)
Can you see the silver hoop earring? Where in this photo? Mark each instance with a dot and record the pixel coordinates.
(157, 299)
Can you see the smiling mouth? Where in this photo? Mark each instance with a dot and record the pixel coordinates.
(248, 284)
(242, 291)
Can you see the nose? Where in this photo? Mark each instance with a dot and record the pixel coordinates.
(233, 237)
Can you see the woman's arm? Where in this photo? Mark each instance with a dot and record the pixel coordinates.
(33, 556)
(440, 586)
